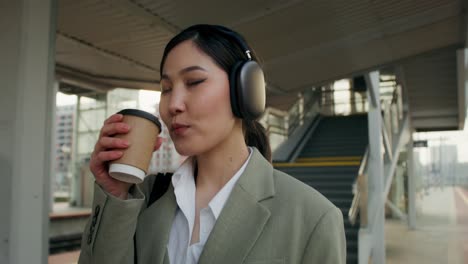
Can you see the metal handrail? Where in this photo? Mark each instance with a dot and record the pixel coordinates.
(355, 204)
(296, 118)
(364, 162)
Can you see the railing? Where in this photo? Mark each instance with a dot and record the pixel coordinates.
(305, 107)
(275, 123)
(343, 102)
(281, 124)
(360, 192)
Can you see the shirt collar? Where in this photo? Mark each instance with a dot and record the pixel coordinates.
(217, 203)
(184, 188)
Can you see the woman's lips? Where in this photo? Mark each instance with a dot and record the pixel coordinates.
(179, 129)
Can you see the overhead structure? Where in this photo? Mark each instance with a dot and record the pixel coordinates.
(102, 44)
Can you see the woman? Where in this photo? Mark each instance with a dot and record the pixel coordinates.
(226, 203)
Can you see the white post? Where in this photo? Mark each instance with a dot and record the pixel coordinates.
(301, 109)
(53, 140)
(376, 214)
(462, 74)
(75, 196)
(27, 50)
(411, 183)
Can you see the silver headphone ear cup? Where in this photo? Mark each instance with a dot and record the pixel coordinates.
(251, 92)
(234, 88)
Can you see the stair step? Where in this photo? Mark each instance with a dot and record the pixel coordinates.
(329, 185)
(336, 158)
(338, 141)
(345, 148)
(341, 177)
(318, 164)
(351, 257)
(338, 202)
(337, 193)
(329, 162)
(319, 170)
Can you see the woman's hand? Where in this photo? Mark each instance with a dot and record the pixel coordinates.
(110, 148)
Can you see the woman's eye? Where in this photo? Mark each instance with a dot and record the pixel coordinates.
(165, 90)
(195, 82)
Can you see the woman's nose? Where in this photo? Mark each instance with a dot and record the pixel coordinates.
(177, 101)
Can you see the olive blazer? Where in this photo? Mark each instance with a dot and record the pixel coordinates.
(270, 217)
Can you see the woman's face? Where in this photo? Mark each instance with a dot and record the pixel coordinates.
(195, 104)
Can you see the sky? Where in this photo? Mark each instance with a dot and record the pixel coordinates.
(65, 99)
(147, 99)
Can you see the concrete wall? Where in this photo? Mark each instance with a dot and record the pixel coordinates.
(26, 110)
(9, 52)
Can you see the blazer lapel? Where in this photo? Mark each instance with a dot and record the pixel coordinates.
(154, 227)
(243, 217)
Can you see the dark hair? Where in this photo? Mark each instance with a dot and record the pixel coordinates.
(222, 45)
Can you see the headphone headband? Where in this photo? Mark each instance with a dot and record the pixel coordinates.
(240, 41)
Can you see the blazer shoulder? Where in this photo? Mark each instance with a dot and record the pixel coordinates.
(294, 192)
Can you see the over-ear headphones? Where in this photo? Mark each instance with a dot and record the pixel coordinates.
(246, 82)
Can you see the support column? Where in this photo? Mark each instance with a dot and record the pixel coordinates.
(462, 74)
(411, 184)
(26, 110)
(376, 214)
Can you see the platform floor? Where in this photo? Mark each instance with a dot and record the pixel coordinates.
(441, 235)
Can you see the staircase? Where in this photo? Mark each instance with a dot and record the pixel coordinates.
(330, 161)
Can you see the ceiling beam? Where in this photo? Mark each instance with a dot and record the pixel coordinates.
(139, 11)
(101, 83)
(105, 52)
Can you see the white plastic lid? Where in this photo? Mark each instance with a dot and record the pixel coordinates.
(126, 173)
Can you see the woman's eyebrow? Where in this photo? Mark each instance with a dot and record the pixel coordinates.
(192, 68)
(184, 70)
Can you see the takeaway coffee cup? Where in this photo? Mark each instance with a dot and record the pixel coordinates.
(144, 129)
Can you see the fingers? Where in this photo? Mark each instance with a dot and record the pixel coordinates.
(108, 148)
(113, 143)
(105, 156)
(111, 129)
(112, 126)
(108, 143)
(113, 118)
(159, 142)
(99, 159)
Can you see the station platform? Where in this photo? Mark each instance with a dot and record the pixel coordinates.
(66, 227)
(441, 235)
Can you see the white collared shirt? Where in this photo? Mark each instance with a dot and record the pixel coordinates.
(179, 248)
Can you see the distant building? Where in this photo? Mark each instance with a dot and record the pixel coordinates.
(64, 126)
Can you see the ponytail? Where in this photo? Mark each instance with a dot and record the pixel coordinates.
(255, 136)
